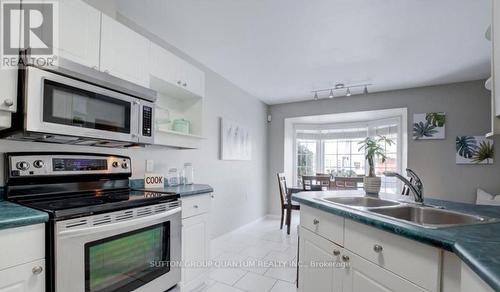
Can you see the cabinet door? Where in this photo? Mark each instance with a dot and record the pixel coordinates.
(79, 32)
(28, 277)
(319, 259)
(495, 39)
(164, 65)
(195, 250)
(193, 79)
(8, 90)
(362, 275)
(124, 53)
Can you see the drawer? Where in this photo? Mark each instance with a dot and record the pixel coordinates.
(21, 245)
(322, 223)
(414, 261)
(195, 205)
(28, 277)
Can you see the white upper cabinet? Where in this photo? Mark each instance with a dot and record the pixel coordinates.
(174, 76)
(192, 78)
(79, 32)
(124, 53)
(8, 90)
(164, 65)
(495, 69)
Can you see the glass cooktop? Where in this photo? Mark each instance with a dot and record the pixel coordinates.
(68, 205)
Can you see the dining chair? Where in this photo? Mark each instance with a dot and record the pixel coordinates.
(316, 182)
(347, 183)
(286, 202)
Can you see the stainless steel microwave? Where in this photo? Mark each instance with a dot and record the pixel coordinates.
(81, 106)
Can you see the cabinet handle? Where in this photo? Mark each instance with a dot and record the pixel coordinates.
(315, 221)
(37, 270)
(377, 248)
(195, 206)
(336, 252)
(345, 258)
(8, 102)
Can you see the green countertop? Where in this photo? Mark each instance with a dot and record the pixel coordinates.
(14, 215)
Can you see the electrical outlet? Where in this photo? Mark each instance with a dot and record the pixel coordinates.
(150, 165)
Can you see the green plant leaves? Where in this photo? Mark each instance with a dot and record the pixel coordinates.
(484, 152)
(436, 119)
(466, 146)
(374, 147)
(422, 129)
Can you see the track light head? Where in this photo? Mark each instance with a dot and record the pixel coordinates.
(365, 91)
(348, 92)
(316, 96)
(331, 94)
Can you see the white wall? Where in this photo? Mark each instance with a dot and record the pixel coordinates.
(240, 186)
(468, 113)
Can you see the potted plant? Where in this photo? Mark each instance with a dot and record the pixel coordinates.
(374, 148)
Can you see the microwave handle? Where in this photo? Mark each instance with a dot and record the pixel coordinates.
(138, 113)
(127, 223)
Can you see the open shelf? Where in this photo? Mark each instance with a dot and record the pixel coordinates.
(172, 132)
(177, 103)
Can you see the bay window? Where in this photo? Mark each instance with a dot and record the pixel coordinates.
(334, 149)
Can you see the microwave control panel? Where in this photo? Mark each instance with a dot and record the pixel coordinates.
(147, 121)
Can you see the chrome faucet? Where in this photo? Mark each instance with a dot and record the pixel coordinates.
(416, 186)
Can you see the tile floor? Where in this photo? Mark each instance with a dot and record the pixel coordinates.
(259, 258)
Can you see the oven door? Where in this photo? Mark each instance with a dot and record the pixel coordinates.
(119, 252)
(56, 104)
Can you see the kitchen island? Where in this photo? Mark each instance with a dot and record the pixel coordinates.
(476, 246)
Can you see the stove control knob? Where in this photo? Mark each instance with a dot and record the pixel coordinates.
(125, 165)
(115, 164)
(23, 165)
(38, 163)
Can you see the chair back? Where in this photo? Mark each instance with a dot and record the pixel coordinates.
(347, 183)
(282, 187)
(315, 182)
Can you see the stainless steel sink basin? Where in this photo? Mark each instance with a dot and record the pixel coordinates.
(362, 202)
(431, 217)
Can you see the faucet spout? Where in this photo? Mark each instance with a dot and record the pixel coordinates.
(416, 187)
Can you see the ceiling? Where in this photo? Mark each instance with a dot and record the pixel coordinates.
(280, 50)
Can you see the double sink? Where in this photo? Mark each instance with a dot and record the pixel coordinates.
(420, 215)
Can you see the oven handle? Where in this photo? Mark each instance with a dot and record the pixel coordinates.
(153, 219)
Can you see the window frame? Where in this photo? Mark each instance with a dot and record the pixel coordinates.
(371, 131)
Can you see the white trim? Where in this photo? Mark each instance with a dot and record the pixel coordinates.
(381, 117)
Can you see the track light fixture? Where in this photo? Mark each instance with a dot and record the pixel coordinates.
(340, 86)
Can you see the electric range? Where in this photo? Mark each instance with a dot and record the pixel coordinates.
(102, 236)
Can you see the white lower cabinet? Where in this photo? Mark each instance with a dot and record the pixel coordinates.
(195, 241)
(327, 267)
(28, 277)
(319, 261)
(361, 275)
(346, 256)
(22, 259)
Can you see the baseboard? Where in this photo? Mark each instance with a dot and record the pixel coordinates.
(272, 216)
